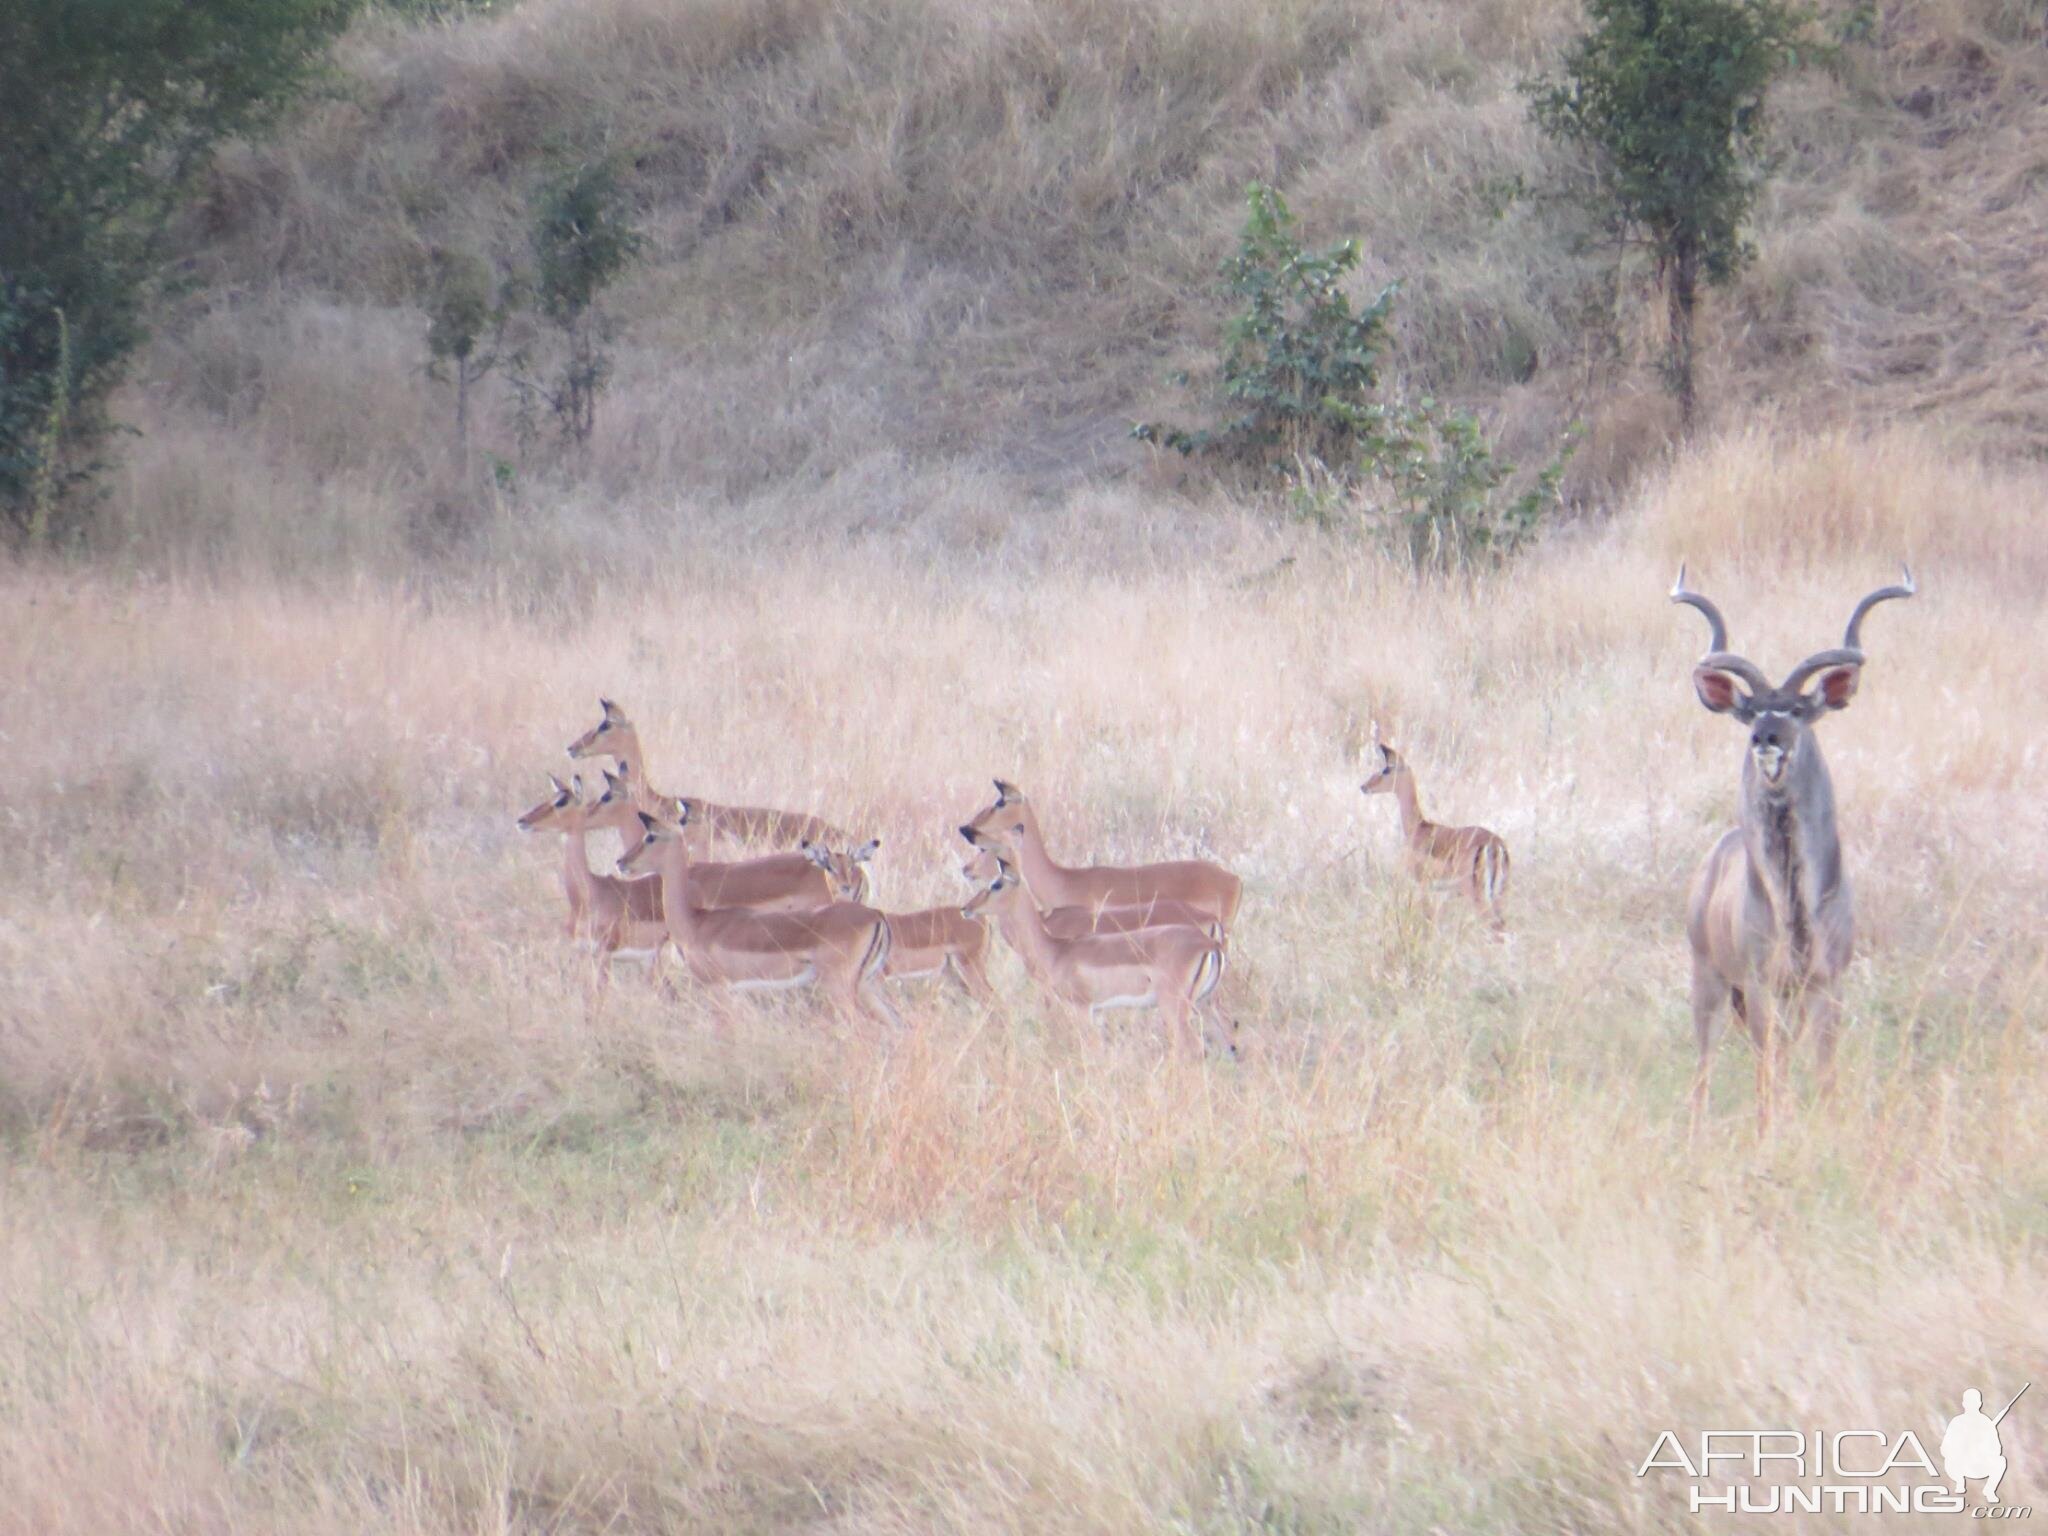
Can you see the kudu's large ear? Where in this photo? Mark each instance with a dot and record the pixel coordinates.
(1719, 690)
(1835, 687)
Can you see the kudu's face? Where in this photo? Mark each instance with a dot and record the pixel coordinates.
(1780, 718)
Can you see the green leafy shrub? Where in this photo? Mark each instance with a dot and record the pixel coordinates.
(1299, 382)
(1299, 363)
(107, 112)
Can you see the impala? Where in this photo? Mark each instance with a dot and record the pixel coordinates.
(1079, 922)
(1009, 829)
(846, 872)
(615, 736)
(938, 941)
(614, 919)
(840, 948)
(1470, 856)
(1173, 969)
(1768, 915)
(778, 882)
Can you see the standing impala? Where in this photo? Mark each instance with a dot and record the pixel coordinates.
(1471, 856)
(1768, 915)
(1009, 828)
(614, 735)
(938, 941)
(1173, 969)
(776, 882)
(612, 918)
(840, 948)
(1079, 922)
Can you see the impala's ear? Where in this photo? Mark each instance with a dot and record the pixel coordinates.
(1837, 686)
(1007, 794)
(866, 850)
(611, 710)
(816, 855)
(647, 822)
(576, 785)
(1719, 691)
(682, 811)
(560, 787)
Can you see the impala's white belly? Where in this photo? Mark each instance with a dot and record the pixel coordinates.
(637, 956)
(802, 978)
(1146, 1000)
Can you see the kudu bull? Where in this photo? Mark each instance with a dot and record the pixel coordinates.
(1769, 914)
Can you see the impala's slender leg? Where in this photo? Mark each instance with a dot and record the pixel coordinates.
(1179, 1023)
(972, 978)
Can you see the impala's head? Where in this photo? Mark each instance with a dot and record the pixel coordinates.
(615, 807)
(995, 894)
(655, 835)
(558, 811)
(613, 736)
(1006, 810)
(1390, 768)
(1779, 717)
(848, 872)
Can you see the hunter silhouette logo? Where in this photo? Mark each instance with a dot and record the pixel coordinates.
(1970, 1446)
(1843, 1472)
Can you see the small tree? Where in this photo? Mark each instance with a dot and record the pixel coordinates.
(1299, 363)
(584, 238)
(1669, 97)
(107, 110)
(1300, 379)
(461, 311)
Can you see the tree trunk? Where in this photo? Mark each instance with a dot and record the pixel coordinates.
(1682, 294)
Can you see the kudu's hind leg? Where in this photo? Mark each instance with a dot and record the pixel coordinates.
(1826, 1008)
(1709, 992)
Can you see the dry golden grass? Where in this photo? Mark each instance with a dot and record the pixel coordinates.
(329, 1205)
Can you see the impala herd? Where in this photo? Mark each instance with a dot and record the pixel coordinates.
(1768, 919)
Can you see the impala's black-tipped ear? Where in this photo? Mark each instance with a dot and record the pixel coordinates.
(1007, 794)
(610, 709)
(647, 822)
(576, 785)
(866, 850)
(559, 786)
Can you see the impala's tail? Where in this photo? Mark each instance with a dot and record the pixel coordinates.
(1490, 872)
(877, 954)
(1208, 974)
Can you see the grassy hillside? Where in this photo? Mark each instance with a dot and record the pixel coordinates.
(914, 261)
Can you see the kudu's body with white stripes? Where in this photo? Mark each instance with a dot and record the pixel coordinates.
(1769, 914)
